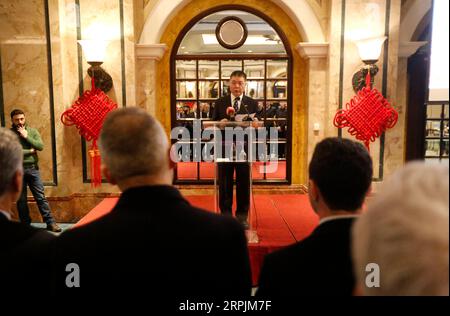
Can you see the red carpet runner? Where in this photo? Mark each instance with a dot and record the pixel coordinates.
(188, 171)
(281, 220)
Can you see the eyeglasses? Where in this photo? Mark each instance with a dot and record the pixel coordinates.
(237, 83)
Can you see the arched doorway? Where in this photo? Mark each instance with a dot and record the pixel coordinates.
(200, 69)
(163, 28)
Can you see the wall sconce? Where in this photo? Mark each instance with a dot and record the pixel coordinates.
(94, 51)
(369, 52)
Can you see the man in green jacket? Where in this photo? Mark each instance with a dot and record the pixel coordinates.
(31, 143)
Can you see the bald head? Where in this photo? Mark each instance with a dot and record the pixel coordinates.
(405, 232)
(133, 143)
(10, 159)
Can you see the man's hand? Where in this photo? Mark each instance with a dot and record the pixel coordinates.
(23, 132)
(224, 120)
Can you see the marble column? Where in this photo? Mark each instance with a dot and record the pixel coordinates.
(316, 55)
(148, 56)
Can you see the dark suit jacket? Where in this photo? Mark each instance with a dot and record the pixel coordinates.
(320, 265)
(220, 108)
(24, 256)
(154, 243)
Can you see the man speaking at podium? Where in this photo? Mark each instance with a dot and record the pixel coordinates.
(241, 105)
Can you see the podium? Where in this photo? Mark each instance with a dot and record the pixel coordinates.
(233, 152)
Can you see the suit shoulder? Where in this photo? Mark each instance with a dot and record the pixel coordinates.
(205, 217)
(291, 253)
(17, 236)
(251, 100)
(222, 99)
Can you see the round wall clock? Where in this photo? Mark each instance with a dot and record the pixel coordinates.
(231, 32)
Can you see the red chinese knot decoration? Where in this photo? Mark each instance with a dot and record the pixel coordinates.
(367, 115)
(88, 114)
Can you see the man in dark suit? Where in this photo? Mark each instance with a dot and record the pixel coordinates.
(153, 242)
(340, 175)
(242, 105)
(205, 111)
(22, 255)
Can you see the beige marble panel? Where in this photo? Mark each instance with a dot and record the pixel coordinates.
(146, 75)
(317, 102)
(104, 26)
(21, 20)
(334, 58)
(397, 69)
(365, 19)
(65, 72)
(130, 60)
(24, 70)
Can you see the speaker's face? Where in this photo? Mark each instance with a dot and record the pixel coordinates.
(237, 85)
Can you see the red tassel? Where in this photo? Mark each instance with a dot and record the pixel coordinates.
(368, 80)
(96, 163)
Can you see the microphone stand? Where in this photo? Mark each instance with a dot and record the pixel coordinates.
(249, 119)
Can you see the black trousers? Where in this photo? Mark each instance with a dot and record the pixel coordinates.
(225, 179)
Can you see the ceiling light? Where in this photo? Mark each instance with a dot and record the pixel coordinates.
(210, 39)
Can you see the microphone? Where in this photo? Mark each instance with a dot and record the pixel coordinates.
(248, 118)
(230, 111)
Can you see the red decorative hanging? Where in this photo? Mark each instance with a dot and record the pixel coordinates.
(367, 115)
(88, 114)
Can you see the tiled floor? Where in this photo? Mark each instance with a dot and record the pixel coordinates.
(64, 226)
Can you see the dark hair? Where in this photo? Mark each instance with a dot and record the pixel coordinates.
(16, 112)
(238, 73)
(342, 170)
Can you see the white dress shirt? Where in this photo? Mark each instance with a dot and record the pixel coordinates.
(333, 218)
(239, 102)
(8, 216)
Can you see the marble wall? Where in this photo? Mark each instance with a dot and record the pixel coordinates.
(364, 19)
(25, 72)
(27, 83)
(29, 52)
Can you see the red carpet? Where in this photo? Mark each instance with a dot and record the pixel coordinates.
(280, 220)
(188, 171)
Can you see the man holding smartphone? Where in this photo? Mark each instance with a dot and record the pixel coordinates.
(31, 142)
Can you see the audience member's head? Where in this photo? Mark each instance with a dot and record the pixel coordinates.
(135, 149)
(340, 174)
(405, 231)
(11, 157)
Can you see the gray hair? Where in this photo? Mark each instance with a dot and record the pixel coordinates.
(405, 231)
(133, 143)
(11, 158)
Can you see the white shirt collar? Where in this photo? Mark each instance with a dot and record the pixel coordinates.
(333, 218)
(8, 216)
(233, 97)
